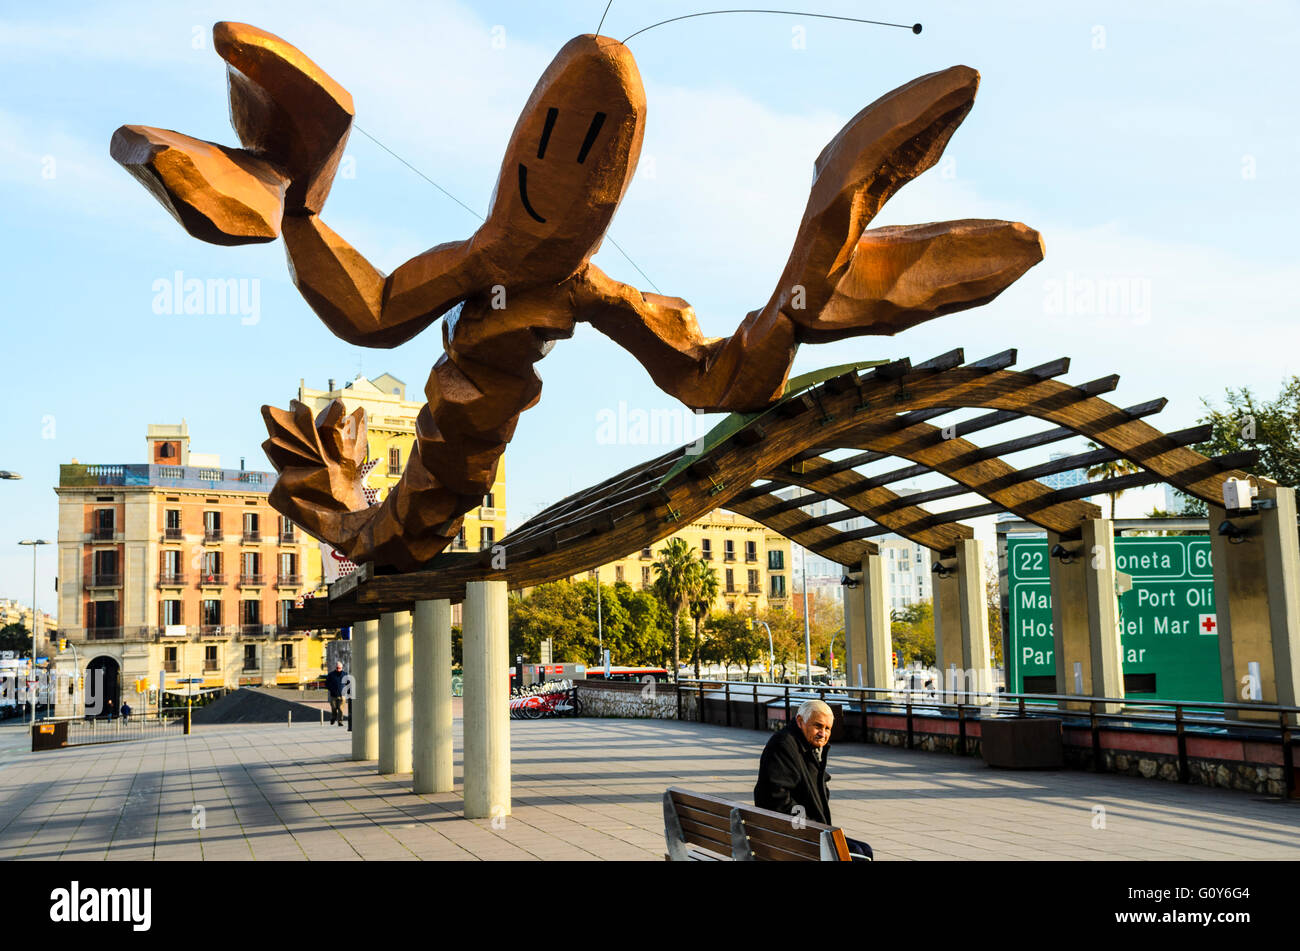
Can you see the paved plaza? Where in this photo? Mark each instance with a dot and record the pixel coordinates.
(585, 789)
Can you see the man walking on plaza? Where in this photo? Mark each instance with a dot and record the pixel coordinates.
(792, 771)
(334, 683)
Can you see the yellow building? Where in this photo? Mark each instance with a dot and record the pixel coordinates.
(752, 562)
(390, 435)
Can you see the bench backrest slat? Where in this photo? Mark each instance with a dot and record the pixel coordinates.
(698, 820)
(774, 836)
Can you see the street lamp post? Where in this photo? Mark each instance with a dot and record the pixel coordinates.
(33, 543)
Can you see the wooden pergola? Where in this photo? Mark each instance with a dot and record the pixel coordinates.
(881, 412)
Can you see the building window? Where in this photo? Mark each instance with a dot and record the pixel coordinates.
(489, 501)
(171, 566)
(731, 580)
(776, 560)
(170, 664)
(251, 572)
(706, 549)
(105, 615)
(729, 550)
(289, 568)
(645, 576)
(250, 614)
(286, 657)
(751, 551)
(487, 537)
(212, 526)
(286, 605)
(105, 567)
(212, 567)
(646, 553)
(618, 573)
(252, 527)
(394, 460)
(250, 657)
(104, 524)
(211, 614)
(753, 581)
(172, 525)
(210, 658)
(170, 612)
(777, 589)
(458, 543)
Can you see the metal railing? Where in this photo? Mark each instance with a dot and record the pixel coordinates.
(213, 535)
(211, 578)
(288, 538)
(1277, 723)
(103, 533)
(104, 580)
(288, 581)
(85, 731)
(251, 538)
(172, 535)
(250, 581)
(171, 579)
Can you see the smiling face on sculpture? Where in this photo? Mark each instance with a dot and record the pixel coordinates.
(570, 159)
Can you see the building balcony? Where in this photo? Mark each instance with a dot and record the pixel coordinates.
(729, 589)
(706, 556)
(210, 666)
(103, 634)
(486, 514)
(213, 536)
(257, 630)
(288, 581)
(251, 581)
(171, 667)
(101, 534)
(753, 589)
(751, 559)
(252, 538)
(171, 579)
(211, 579)
(729, 556)
(103, 580)
(287, 665)
(211, 630)
(288, 538)
(172, 535)
(178, 477)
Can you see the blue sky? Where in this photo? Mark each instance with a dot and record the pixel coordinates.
(1155, 146)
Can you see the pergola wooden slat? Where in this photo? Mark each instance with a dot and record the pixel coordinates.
(884, 411)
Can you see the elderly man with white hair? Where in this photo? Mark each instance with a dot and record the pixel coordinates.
(792, 771)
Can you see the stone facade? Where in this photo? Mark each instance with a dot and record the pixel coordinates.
(635, 701)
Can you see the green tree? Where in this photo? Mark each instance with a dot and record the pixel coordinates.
(17, 638)
(704, 592)
(912, 631)
(1106, 471)
(675, 580)
(1269, 426)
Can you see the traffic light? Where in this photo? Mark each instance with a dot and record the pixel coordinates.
(142, 685)
(749, 623)
(63, 644)
(895, 656)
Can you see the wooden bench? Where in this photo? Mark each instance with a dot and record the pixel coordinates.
(699, 827)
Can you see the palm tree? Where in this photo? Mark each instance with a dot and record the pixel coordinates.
(674, 584)
(1104, 471)
(703, 596)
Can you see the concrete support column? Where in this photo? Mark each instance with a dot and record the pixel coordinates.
(947, 622)
(1085, 615)
(365, 689)
(486, 701)
(431, 697)
(395, 693)
(878, 670)
(972, 601)
(855, 633)
(1257, 595)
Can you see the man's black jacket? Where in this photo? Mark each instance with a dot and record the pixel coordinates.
(791, 774)
(334, 683)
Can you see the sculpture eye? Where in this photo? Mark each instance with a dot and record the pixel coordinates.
(551, 115)
(596, 122)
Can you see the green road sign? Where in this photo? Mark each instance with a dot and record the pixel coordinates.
(1168, 622)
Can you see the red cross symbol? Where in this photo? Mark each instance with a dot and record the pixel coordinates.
(1209, 624)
